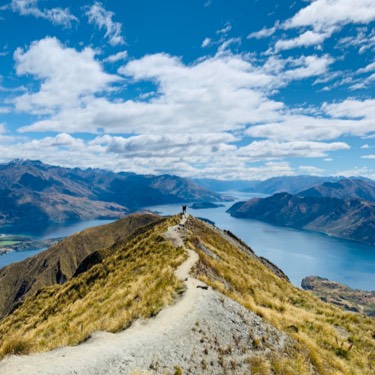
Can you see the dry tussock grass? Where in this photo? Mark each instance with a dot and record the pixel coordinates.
(309, 321)
(136, 281)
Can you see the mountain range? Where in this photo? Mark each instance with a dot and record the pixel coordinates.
(343, 209)
(288, 184)
(31, 191)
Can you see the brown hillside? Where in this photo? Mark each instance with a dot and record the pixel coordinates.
(62, 261)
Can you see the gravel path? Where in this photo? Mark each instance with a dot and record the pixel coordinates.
(202, 333)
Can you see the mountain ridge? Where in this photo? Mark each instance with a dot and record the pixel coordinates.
(352, 219)
(64, 260)
(33, 191)
(244, 319)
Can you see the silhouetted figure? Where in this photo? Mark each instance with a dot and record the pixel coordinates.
(184, 210)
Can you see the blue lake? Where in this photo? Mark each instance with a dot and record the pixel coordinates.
(42, 232)
(298, 253)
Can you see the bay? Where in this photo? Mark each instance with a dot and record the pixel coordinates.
(298, 253)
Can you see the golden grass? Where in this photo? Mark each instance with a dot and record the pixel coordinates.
(136, 281)
(309, 321)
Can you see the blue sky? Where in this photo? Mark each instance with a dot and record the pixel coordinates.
(240, 89)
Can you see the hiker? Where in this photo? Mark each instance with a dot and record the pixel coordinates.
(184, 210)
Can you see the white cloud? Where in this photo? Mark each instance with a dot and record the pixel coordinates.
(4, 110)
(368, 68)
(166, 146)
(301, 127)
(2, 128)
(368, 157)
(365, 146)
(206, 43)
(216, 94)
(225, 29)
(68, 151)
(310, 170)
(353, 109)
(357, 172)
(307, 39)
(274, 149)
(58, 16)
(263, 33)
(102, 18)
(322, 14)
(123, 55)
(66, 74)
(364, 40)
(308, 66)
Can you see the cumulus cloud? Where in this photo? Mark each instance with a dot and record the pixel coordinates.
(69, 151)
(164, 146)
(308, 66)
(353, 109)
(324, 18)
(323, 14)
(368, 157)
(58, 16)
(102, 18)
(65, 73)
(275, 149)
(186, 120)
(303, 127)
(216, 94)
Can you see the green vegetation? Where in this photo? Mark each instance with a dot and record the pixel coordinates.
(7, 243)
(333, 341)
(136, 281)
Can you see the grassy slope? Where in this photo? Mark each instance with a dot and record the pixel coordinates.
(61, 261)
(136, 281)
(337, 342)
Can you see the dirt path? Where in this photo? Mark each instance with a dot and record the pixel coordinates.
(128, 346)
(203, 333)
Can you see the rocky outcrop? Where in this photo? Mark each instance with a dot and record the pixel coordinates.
(341, 295)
